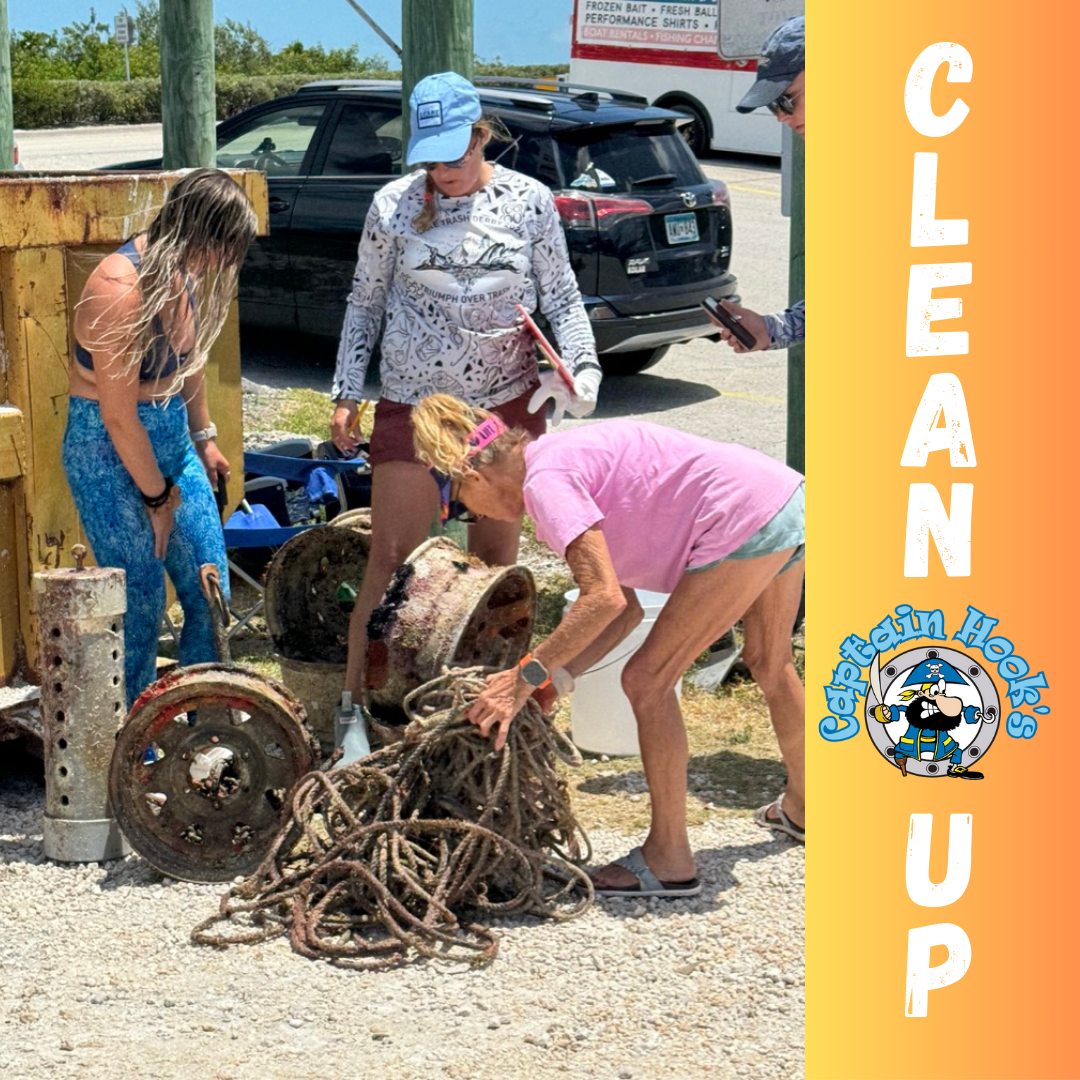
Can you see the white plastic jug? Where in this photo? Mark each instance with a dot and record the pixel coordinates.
(600, 715)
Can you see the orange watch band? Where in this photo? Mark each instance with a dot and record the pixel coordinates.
(527, 658)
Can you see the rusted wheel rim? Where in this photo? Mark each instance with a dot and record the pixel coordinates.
(202, 767)
(304, 610)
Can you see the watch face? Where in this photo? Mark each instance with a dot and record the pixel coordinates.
(534, 673)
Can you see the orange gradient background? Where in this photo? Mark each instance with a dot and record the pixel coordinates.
(1010, 169)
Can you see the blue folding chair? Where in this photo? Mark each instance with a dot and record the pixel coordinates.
(256, 526)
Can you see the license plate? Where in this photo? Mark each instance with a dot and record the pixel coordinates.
(681, 228)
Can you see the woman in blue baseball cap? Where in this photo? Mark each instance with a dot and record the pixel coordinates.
(447, 253)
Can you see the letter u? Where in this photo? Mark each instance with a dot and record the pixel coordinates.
(919, 886)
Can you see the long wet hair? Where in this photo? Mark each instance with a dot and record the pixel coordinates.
(197, 241)
(488, 128)
(441, 428)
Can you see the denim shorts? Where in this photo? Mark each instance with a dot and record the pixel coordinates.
(786, 529)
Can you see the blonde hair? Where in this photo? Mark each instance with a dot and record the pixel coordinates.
(488, 128)
(441, 428)
(206, 225)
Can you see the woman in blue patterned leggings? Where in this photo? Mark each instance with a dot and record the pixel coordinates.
(139, 449)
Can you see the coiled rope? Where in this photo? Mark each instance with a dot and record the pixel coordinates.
(407, 850)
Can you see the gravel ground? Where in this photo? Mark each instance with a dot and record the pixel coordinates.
(98, 980)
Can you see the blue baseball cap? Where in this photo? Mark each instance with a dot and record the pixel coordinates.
(442, 111)
(783, 56)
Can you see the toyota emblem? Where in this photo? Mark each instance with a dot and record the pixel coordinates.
(689, 198)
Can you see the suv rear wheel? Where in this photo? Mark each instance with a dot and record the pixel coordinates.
(696, 133)
(631, 363)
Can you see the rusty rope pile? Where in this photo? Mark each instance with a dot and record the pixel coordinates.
(405, 850)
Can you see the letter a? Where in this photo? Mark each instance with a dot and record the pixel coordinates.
(926, 517)
(919, 886)
(943, 399)
(921, 977)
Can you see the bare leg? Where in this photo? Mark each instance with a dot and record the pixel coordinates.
(495, 542)
(702, 607)
(404, 501)
(767, 653)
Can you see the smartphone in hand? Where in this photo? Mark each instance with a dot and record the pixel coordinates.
(729, 322)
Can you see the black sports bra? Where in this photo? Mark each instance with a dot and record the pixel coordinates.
(163, 359)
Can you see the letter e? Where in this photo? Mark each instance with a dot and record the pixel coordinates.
(922, 309)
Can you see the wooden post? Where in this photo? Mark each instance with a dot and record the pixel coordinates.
(796, 391)
(188, 108)
(436, 35)
(7, 137)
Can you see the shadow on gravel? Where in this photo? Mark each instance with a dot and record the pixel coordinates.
(716, 871)
(728, 779)
(632, 395)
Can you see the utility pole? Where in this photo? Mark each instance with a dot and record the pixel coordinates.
(7, 116)
(436, 35)
(188, 107)
(796, 389)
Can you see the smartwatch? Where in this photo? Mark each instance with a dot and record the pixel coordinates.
(533, 672)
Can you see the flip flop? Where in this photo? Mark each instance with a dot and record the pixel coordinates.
(648, 884)
(781, 823)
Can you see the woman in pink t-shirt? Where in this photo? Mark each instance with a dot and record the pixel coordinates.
(635, 505)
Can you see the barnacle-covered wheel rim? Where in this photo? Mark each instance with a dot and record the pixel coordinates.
(202, 767)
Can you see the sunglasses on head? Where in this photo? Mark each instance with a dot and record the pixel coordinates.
(784, 105)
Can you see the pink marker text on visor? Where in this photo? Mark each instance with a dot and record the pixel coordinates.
(484, 433)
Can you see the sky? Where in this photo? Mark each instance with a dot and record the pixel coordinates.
(499, 28)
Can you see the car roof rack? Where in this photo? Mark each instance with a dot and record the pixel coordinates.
(540, 93)
(552, 85)
(352, 84)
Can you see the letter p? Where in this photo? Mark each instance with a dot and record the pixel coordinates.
(921, 977)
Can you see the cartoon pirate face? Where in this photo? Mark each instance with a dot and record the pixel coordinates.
(936, 714)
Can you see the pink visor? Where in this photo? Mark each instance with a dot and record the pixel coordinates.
(483, 434)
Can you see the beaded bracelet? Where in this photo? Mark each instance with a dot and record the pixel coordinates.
(155, 502)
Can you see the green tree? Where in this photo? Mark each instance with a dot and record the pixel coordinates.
(148, 22)
(239, 49)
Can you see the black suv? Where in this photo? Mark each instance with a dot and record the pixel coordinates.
(648, 234)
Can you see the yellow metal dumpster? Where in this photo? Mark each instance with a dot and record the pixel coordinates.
(53, 229)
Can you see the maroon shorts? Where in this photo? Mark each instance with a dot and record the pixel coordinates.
(392, 436)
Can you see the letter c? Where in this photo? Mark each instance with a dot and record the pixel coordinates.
(920, 80)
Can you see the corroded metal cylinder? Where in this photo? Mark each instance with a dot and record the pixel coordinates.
(446, 608)
(81, 637)
(310, 587)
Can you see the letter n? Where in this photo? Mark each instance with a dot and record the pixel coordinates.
(926, 517)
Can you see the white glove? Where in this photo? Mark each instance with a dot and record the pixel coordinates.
(563, 681)
(552, 386)
(586, 389)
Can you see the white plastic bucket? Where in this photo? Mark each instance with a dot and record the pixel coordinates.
(601, 718)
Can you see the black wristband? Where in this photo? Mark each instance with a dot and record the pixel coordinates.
(585, 367)
(155, 502)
